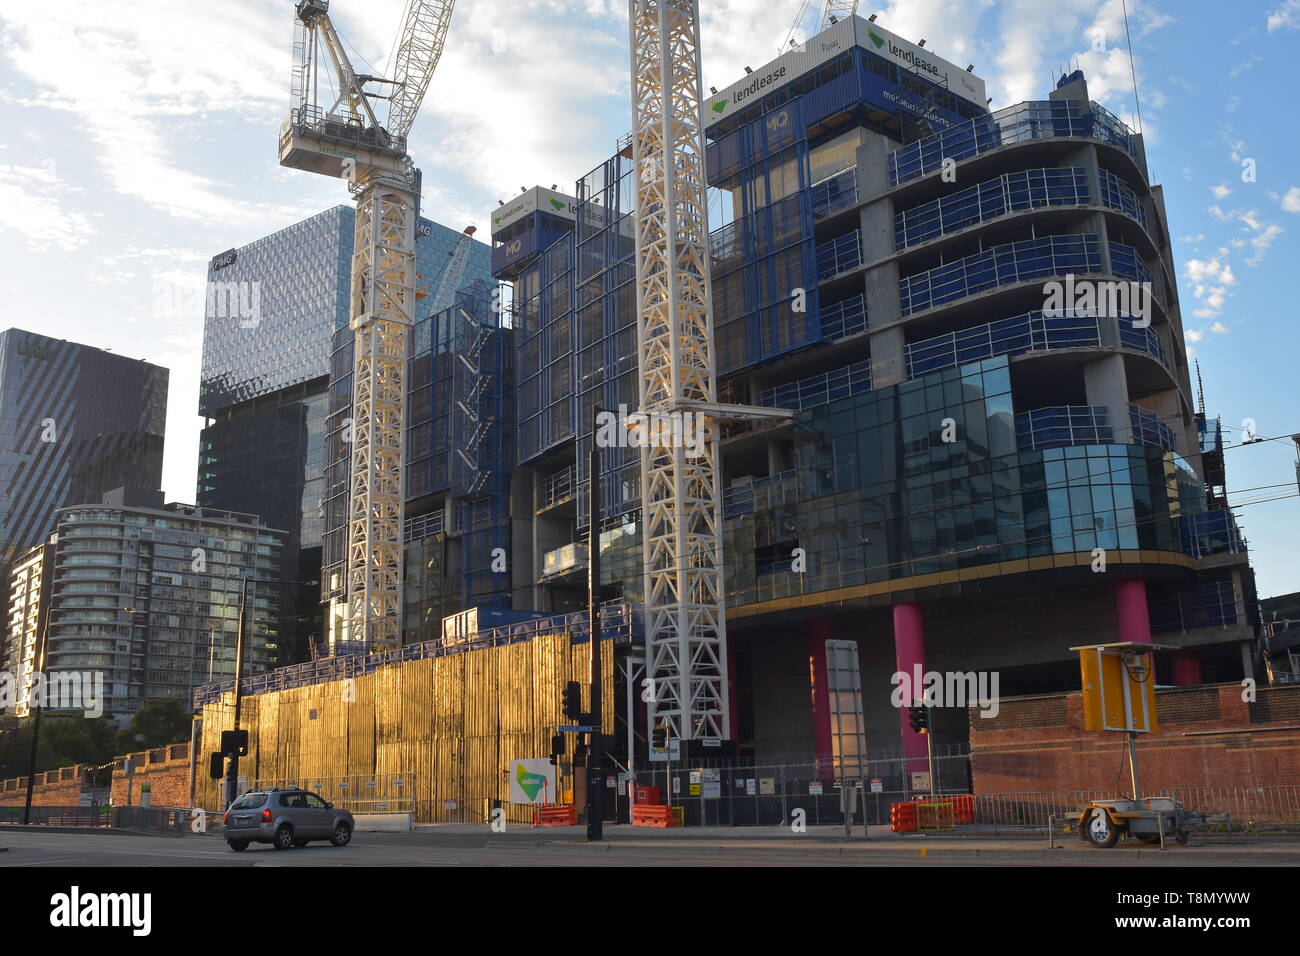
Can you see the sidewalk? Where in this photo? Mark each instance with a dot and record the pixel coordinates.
(884, 845)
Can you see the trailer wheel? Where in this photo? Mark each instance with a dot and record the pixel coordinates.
(1099, 830)
(1181, 837)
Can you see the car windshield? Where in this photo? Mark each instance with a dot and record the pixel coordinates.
(249, 801)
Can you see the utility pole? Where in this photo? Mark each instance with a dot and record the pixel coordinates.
(595, 752)
(39, 661)
(232, 768)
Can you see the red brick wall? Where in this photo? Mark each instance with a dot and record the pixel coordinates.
(166, 770)
(1208, 736)
(58, 788)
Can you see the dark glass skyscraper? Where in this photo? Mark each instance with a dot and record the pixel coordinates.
(75, 422)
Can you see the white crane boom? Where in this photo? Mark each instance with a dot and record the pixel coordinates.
(353, 145)
(424, 32)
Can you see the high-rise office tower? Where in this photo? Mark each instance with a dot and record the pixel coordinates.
(275, 310)
(75, 422)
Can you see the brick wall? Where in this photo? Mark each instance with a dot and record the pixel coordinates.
(166, 770)
(1208, 736)
(57, 788)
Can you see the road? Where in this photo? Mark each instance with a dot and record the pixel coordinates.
(477, 846)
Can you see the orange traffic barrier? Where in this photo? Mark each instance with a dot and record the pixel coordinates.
(650, 815)
(902, 817)
(564, 815)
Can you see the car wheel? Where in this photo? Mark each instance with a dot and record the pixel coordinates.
(299, 842)
(1099, 830)
(237, 845)
(342, 835)
(283, 837)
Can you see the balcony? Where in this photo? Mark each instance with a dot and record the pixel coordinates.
(843, 319)
(1015, 336)
(1029, 189)
(839, 255)
(1063, 425)
(748, 494)
(834, 193)
(559, 488)
(1039, 119)
(1001, 265)
(819, 389)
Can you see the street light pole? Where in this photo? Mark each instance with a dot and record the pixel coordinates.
(596, 752)
(39, 661)
(232, 769)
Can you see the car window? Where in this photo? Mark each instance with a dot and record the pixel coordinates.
(248, 801)
(315, 802)
(294, 800)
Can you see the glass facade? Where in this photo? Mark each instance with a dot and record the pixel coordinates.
(75, 423)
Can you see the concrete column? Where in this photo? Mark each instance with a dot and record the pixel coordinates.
(1187, 668)
(1247, 660)
(819, 631)
(909, 655)
(1106, 384)
(1132, 620)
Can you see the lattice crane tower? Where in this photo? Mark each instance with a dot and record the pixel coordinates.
(347, 141)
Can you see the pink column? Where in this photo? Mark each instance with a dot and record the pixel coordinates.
(819, 631)
(1187, 668)
(1132, 621)
(909, 654)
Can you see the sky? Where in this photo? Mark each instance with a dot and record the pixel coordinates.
(140, 139)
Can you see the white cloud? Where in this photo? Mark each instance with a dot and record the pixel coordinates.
(1220, 191)
(1193, 335)
(1285, 16)
(1291, 201)
(31, 204)
(1218, 328)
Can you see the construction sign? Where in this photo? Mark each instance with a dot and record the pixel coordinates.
(532, 781)
(1119, 687)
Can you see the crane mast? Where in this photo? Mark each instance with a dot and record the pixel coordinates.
(347, 141)
(681, 507)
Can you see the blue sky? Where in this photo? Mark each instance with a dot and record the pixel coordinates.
(140, 139)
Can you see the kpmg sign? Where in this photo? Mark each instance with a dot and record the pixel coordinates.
(829, 44)
(223, 260)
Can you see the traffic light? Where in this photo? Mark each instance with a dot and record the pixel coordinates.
(234, 743)
(557, 744)
(217, 766)
(659, 737)
(580, 751)
(919, 718)
(573, 701)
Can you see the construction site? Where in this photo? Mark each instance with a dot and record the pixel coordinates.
(902, 458)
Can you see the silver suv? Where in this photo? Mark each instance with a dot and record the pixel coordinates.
(285, 818)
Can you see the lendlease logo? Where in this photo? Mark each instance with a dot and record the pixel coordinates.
(920, 62)
(875, 38)
(760, 82)
(557, 204)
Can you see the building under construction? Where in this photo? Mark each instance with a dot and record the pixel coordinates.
(960, 454)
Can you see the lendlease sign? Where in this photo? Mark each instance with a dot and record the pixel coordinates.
(525, 204)
(829, 44)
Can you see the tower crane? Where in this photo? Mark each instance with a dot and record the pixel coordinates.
(347, 140)
(455, 271)
(685, 620)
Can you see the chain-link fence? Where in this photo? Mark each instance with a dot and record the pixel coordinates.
(765, 791)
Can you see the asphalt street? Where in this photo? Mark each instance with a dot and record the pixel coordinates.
(457, 845)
